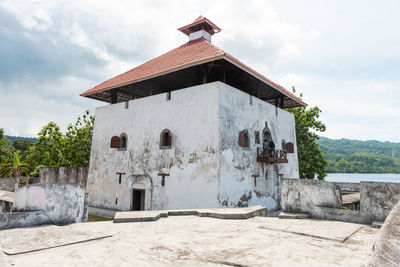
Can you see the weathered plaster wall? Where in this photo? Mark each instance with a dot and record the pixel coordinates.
(192, 117)
(303, 195)
(378, 199)
(239, 111)
(206, 165)
(73, 175)
(61, 203)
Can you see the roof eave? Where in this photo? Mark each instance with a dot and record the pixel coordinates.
(242, 66)
(87, 93)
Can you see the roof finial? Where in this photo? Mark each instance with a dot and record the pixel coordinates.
(200, 28)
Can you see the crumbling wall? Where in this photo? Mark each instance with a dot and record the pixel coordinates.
(303, 195)
(8, 184)
(61, 203)
(73, 175)
(378, 199)
(23, 219)
(323, 200)
(243, 180)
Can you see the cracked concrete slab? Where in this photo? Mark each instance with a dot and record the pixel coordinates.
(193, 240)
(44, 237)
(330, 230)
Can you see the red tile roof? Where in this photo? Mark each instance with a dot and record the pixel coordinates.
(190, 54)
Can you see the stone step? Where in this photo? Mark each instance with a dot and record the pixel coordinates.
(219, 213)
(289, 215)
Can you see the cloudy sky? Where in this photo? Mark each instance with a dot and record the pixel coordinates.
(344, 55)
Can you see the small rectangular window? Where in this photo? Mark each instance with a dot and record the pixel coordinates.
(126, 104)
(168, 96)
(116, 201)
(119, 178)
(251, 100)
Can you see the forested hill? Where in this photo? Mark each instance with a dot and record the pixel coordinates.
(343, 155)
(11, 139)
(354, 156)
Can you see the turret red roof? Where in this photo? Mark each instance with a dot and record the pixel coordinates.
(200, 20)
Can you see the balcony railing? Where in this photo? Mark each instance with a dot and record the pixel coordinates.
(271, 155)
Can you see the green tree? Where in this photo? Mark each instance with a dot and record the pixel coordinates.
(5, 149)
(13, 167)
(48, 149)
(54, 149)
(78, 141)
(311, 157)
(22, 146)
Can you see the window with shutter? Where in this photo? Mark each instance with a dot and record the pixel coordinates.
(289, 147)
(241, 139)
(244, 139)
(114, 142)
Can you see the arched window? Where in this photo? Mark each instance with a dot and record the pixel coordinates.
(290, 147)
(123, 142)
(244, 139)
(165, 139)
(267, 139)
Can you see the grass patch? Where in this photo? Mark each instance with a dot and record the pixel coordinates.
(94, 218)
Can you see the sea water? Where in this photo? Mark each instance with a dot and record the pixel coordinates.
(368, 177)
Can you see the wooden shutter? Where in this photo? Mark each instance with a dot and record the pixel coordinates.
(289, 147)
(114, 142)
(242, 141)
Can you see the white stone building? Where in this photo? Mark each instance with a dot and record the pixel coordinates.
(191, 129)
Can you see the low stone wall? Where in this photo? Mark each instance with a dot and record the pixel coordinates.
(62, 203)
(8, 184)
(378, 199)
(72, 175)
(387, 246)
(303, 195)
(22, 219)
(336, 214)
(350, 187)
(322, 200)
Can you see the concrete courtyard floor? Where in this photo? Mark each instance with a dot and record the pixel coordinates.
(191, 240)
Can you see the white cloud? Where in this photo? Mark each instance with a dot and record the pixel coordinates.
(355, 109)
(346, 64)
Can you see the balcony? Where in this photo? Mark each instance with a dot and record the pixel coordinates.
(271, 155)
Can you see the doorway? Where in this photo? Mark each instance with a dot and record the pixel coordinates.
(137, 199)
